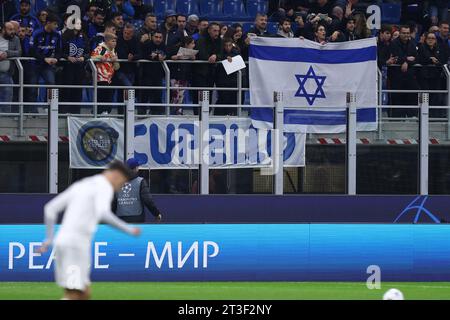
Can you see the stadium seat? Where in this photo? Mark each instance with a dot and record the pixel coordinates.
(138, 24)
(211, 9)
(161, 6)
(234, 9)
(272, 27)
(257, 6)
(246, 26)
(187, 7)
(391, 12)
(40, 5)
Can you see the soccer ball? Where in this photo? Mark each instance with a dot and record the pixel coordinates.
(393, 294)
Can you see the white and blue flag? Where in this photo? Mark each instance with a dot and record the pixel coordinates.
(314, 80)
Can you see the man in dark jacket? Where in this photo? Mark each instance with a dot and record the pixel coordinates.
(169, 28)
(403, 76)
(127, 49)
(209, 49)
(153, 73)
(46, 47)
(130, 201)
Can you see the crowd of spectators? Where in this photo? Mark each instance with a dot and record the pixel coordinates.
(106, 31)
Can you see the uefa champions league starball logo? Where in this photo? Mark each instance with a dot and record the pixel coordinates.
(126, 188)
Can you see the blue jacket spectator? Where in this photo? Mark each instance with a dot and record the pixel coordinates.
(97, 24)
(46, 47)
(169, 28)
(25, 18)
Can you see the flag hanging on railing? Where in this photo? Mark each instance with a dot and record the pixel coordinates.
(314, 78)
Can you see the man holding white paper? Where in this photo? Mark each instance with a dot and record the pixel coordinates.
(226, 77)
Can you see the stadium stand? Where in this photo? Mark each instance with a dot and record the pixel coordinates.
(234, 16)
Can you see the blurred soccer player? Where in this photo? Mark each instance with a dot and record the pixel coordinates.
(85, 204)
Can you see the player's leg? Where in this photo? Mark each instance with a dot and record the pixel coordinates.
(72, 270)
(70, 294)
(87, 293)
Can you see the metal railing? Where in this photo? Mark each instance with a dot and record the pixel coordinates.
(168, 88)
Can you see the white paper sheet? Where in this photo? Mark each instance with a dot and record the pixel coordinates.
(236, 64)
(186, 54)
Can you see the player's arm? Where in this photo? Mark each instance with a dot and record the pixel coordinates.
(51, 212)
(109, 218)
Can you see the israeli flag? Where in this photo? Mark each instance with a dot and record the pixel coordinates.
(314, 80)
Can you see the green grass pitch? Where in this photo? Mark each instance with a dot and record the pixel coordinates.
(228, 290)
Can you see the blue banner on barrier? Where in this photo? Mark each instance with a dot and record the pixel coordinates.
(246, 252)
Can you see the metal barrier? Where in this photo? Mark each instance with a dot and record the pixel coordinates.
(165, 64)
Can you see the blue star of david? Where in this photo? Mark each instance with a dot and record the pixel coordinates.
(301, 92)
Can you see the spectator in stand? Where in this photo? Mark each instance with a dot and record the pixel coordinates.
(312, 22)
(76, 52)
(324, 7)
(432, 58)
(181, 73)
(97, 25)
(181, 23)
(202, 29)
(117, 20)
(349, 33)
(192, 24)
(106, 65)
(443, 37)
(284, 29)
(169, 28)
(42, 17)
(100, 37)
(103, 5)
(403, 77)
(127, 49)
(9, 48)
(123, 7)
(140, 9)
(320, 34)
(209, 49)
(7, 10)
(149, 27)
(223, 29)
(260, 28)
(17, 27)
(223, 80)
(383, 48)
(236, 33)
(153, 73)
(90, 12)
(361, 29)
(414, 32)
(291, 9)
(395, 33)
(25, 18)
(385, 59)
(434, 29)
(46, 47)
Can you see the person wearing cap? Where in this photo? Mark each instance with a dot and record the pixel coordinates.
(171, 35)
(130, 201)
(25, 18)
